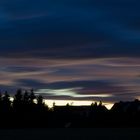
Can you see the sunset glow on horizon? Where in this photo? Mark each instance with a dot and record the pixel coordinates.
(74, 103)
(50, 103)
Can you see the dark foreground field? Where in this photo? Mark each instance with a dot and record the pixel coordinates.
(71, 134)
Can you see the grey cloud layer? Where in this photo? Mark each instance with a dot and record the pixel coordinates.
(117, 77)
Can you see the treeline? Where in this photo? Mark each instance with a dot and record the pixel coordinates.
(22, 111)
(28, 110)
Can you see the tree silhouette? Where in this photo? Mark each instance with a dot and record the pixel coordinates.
(100, 103)
(24, 112)
(6, 103)
(26, 97)
(0, 99)
(18, 101)
(32, 96)
(40, 100)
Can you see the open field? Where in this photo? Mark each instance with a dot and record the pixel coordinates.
(70, 134)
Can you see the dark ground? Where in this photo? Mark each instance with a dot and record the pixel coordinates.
(70, 134)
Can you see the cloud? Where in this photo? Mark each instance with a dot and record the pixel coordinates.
(118, 77)
(63, 43)
(29, 83)
(20, 69)
(64, 29)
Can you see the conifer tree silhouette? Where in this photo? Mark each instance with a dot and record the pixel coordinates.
(6, 103)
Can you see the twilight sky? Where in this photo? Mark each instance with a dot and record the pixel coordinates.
(71, 49)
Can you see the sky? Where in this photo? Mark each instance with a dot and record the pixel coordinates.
(71, 49)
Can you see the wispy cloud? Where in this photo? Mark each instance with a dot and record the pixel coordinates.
(116, 77)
